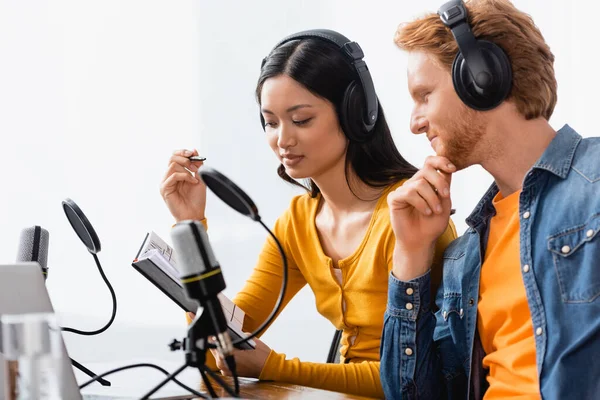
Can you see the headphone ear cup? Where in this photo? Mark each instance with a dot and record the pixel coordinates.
(471, 94)
(262, 121)
(350, 114)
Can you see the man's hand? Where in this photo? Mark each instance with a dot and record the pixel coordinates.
(419, 214)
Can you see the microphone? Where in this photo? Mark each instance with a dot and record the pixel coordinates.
(201, 276)
(33, 246)
(202, 280)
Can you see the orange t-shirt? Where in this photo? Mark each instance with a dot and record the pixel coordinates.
(503, 317)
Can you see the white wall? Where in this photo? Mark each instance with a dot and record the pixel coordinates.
(94, 96)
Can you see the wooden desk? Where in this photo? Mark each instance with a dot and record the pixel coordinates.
(134, 383)
(254, 389)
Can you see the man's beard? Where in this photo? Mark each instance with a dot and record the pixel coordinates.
(461, 136)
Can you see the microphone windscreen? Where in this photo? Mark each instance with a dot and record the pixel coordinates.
(194, 253)
(33, 246)
(229, 192)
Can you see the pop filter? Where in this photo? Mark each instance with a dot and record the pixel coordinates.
(82, 226)
(229, 192)
(237, 199)
(86, 233)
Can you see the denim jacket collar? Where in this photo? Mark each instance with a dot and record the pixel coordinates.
(557, 159)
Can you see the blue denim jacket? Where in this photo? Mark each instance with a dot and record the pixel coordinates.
(431, 356)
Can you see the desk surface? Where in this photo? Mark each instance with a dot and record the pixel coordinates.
(132, 384)
(254, 389)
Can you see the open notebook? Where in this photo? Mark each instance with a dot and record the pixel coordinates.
(156, 260)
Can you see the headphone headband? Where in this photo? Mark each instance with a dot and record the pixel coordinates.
(353, 52)
(454, 15)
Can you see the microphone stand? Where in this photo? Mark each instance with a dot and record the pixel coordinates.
(195, 346)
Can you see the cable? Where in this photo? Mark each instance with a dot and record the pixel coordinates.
(89, 373)
(164, 381)
(114, 301)
(281, 293)
(112, 371)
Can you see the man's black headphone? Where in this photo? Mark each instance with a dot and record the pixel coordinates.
(481, 72)
(354, 55)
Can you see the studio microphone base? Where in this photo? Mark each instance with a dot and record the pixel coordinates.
(195, 345)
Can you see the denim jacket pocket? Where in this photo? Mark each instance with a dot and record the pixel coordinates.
(454, 267)
(452, 312)
(452, 304)
(576, 255)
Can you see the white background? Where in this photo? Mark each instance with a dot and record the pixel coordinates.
(94, 97)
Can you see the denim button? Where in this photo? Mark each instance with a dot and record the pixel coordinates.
(408, 351)
(526, 268)
(409, 306)
(409, 291)
(526, 214)
(589, 233)
(565, 249)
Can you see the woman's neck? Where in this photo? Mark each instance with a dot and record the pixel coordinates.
(344, 194)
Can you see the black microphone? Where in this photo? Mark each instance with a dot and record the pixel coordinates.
(202, 280)
(33, 246)
(201, 276)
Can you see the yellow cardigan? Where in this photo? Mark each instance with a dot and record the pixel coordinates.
(356, 306)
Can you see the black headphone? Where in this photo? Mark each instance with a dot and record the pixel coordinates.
(354, 55)
(481, 72)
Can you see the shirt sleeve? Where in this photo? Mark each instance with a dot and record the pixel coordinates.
(360, 379)
(410, 363)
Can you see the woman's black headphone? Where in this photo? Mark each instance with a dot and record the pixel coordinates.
(354, 55)
(481, 72)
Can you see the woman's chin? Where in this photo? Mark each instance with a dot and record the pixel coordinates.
(296, 174)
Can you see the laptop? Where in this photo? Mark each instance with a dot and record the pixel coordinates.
(22, 291)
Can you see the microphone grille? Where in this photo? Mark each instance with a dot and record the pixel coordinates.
(193, 250)
(33, 246)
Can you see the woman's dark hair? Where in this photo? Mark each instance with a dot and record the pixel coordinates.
(322, 68)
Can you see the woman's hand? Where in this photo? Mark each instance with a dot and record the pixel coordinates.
(249, 363)
(181, 189)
